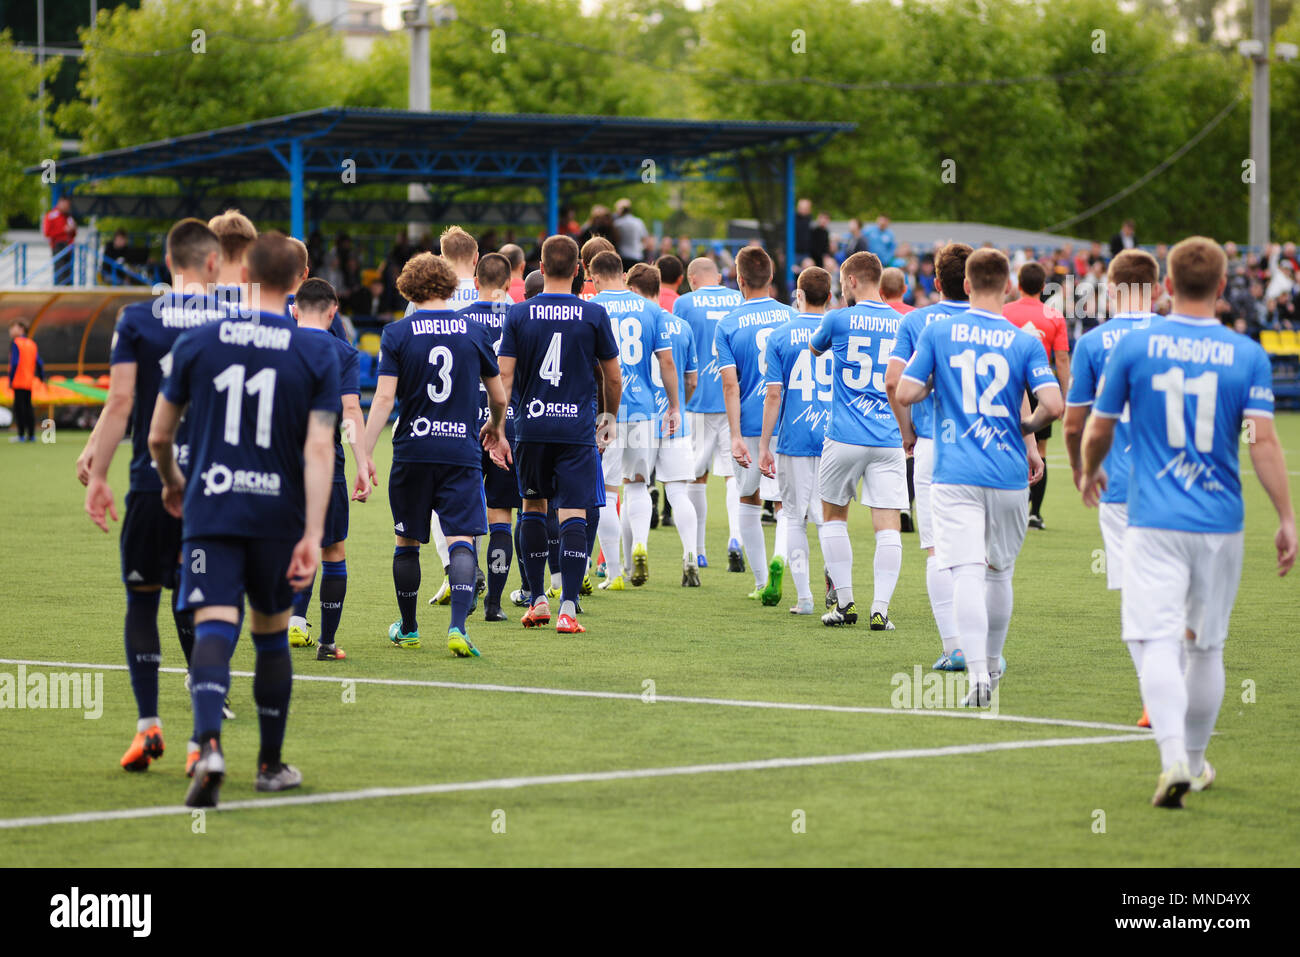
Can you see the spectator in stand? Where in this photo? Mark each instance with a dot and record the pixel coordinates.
(630, 234)
(515, 254)
(924, 282)
(25, 367)
(893, 284)
(1281, 275)
(599, 223)
(671, 273)
(60, 230)
(1162, 254)
(880, 240)
(803, 229)
(1126, 238)
(685, 249)
(1095, 255)
(568, 226)
(855, 242)
(819, 239)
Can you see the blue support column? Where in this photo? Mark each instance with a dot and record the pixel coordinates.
(296, 217)
(790, 265)
(553, 193)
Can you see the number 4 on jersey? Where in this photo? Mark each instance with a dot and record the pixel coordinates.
(550, 370)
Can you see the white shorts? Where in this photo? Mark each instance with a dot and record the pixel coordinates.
(1174, 581)
(640, 448)
(922, 472)
(676, 461)
(611, 463)
(800, 481)
(1113, 518)
(711, 443)
(751, 480)
(974, 525)
(883, 471)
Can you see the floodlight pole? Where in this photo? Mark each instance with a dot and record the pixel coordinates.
(1259, 131)
(417, 95)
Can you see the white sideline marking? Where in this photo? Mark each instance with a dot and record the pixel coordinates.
(631, 696)
(587, 777)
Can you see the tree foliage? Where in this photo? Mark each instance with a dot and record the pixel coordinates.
(23, 140)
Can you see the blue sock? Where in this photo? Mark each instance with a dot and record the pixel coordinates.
(142, 648)
(593, 523)
(272, 685)
(519, 551)
(214, 643)
(406, 580)
(534, 548)
(462, 569)
(573, 551)
(333, 589)
(553, 541)
(500, 552)
(302, 600)
(184, 625)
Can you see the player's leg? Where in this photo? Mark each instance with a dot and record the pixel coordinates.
(747, 481)
(534, 464)
(1039, 489)
(269, 599)
(460, 500)
(797, 476)
(410, 497)
(610, 531)
(499, 557)
(959, 545)
(638, 465)
(148, 548)
(938, 581)
(299, 627)
(725, 466)
(769, 490)
(841, 467)
(443, 595)
(333, 590)
(523, 597)
(1112, 517)
(577, 485)
(675, 467)
(553, 550)
(1007, 515)
(884, 491)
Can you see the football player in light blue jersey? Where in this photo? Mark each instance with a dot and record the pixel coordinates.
(980, 366)
(703, 308)
(1189, 384)
(798, 404)
(918, 438)
(674, 463)
(636, 322)
(1132, 281)
(863, 442)
(741, 345)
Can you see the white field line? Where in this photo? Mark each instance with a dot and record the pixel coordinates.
(631, 696)
(587, 777)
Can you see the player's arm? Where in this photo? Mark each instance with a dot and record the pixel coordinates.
(163, 427)
(1063, 371)
(1269, 462)
(668, 373)
(354, 430)
(771, 411)
(107, 434)
(318, 474)
(894, 375)
(1050, 407)
(1098, 435)
(731, 401)
(1075, 418)
(381, 407)
(692, 381)
(911, 391)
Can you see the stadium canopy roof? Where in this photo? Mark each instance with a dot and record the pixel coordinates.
(458, 150)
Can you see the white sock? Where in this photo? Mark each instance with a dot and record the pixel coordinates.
(144, 724)
(1165, 695)
(1205, 684)
(751, 537)
(637, 506)
(998, 597)
(439, 539)
(970, 607)
(781, 541)
(297, 621)
(797, 540)
(625, 530)
(679, 497)
(610, 532)
(733, 509)
(837, 553)
(699, 493)
(885, 568)
(938, 582)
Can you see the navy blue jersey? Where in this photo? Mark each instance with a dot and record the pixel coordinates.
(349, 384)
(556, 340)
(250, 388)
(145, 334)
(337, 329)
(439, 358)
(492, 316)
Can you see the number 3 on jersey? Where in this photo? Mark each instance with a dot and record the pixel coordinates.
(550, 370)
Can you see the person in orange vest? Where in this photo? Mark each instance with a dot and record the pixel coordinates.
(60, 229)
(24, 367)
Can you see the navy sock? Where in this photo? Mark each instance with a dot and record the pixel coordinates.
(184, 625)
(534, 549)
(333, 589)
(593, 523)
(272, 685)
(500, 551)
(143, 652)
(573, 551)
(302, 600)
(406, 579)
(214, 643)
(519, 550)
(462, 570)
(553, 541)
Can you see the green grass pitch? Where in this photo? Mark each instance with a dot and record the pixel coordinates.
(1065, 804)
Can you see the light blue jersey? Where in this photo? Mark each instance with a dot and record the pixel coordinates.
(1090, 355)
(981, 365)
(676, 334)
(636, 323)
(862, 339)
(909, 331)
(805, 382)
(1187, 384)
(741, 342)
(703, 309)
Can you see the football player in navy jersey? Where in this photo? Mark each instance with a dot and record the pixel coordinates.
(151, 539)
(431, 362)
(236, 233)
(492, 279)
(261, 401)
(550, 348)
(315, 307)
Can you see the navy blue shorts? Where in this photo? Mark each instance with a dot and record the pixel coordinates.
(221, 571)
(567, 476)
(455, 492)
(501, 486)
(336, 515)
(151, 542)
